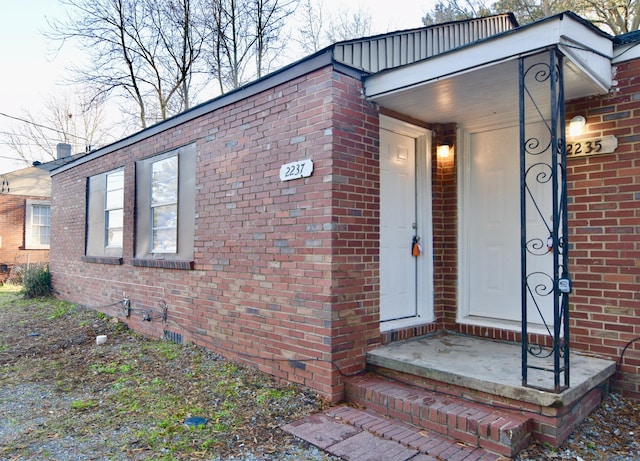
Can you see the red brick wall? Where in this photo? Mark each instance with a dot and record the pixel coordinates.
(445, 230)
(604, 225)
(285, 273)
(12, 228)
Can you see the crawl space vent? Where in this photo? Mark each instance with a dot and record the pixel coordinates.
(173, 337)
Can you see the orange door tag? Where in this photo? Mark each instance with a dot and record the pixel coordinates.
(416, 248)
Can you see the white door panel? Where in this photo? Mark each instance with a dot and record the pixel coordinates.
(493, 228)
(397, 215)
(494, 233)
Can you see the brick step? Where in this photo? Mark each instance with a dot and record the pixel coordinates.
(357, 435)
(475, 424)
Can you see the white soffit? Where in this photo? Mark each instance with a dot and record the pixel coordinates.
(588, 55)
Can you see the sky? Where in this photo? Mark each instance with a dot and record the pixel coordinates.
(33, 69)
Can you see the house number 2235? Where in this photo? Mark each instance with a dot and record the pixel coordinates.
(584, 147)
(601, 145)
(296, 170)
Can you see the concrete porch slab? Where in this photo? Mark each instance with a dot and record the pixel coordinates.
(488, 366)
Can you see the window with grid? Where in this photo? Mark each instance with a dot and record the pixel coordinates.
(38, 225)
(164, 205)
(114, 209)
(105, 214)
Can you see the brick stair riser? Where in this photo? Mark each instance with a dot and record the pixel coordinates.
(471, 423)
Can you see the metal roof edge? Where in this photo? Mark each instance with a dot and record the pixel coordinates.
(629, 37)
(509, 15)
(556, 17)
(626, 47)
(294, 70)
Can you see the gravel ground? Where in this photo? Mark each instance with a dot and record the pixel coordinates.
(611, 433)
(64, 398)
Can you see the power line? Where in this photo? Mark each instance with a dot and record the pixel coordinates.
(42, 126)
(13, 158)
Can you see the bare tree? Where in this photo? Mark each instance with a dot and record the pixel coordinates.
(244, 37)
(318, 28)
(73, 121)
(143, 50)
(348, 24)
(176, 24)
(614, 16)
(270, 19)
(230, 42)
(310, 36)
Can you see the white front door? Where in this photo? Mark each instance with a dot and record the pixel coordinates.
(397, 219)
(406, 281)
(494, 227)
(490, 259)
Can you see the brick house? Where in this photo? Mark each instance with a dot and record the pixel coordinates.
(25, 201)
(278, 224)
(24, 218)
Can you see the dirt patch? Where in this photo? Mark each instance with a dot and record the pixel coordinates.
(64, 397)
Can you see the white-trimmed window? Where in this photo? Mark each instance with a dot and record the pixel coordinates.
(37, 233)
(164, 205)
(114, 209)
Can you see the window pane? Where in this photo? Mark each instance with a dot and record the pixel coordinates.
(114, 237)
(114, 222)
(165, 240)
(164, 181)
(115, 218)
(164, 192)
(115, 181)
(40, 215)
(115, 199)
(40, 235)
(165, 216)
(164, 169)
(165, 228)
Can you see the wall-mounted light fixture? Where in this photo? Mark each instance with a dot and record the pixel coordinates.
(443, 151)
(576, 125)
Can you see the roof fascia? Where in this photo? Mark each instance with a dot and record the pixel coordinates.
(626, 52)
(564, 28)
(314, 62)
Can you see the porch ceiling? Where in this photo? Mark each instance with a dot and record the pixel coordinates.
(477, 86)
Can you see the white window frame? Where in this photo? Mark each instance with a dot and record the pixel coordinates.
(109, 209)
(185, 203)
(155, 205)
(29, 242)
(96, 230)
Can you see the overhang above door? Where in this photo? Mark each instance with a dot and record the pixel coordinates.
(476, 86)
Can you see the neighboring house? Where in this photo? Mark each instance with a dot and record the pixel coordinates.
(24, 218)
(25, 224)
(278, 224)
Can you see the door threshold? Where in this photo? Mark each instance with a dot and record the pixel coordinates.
(390, 325)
